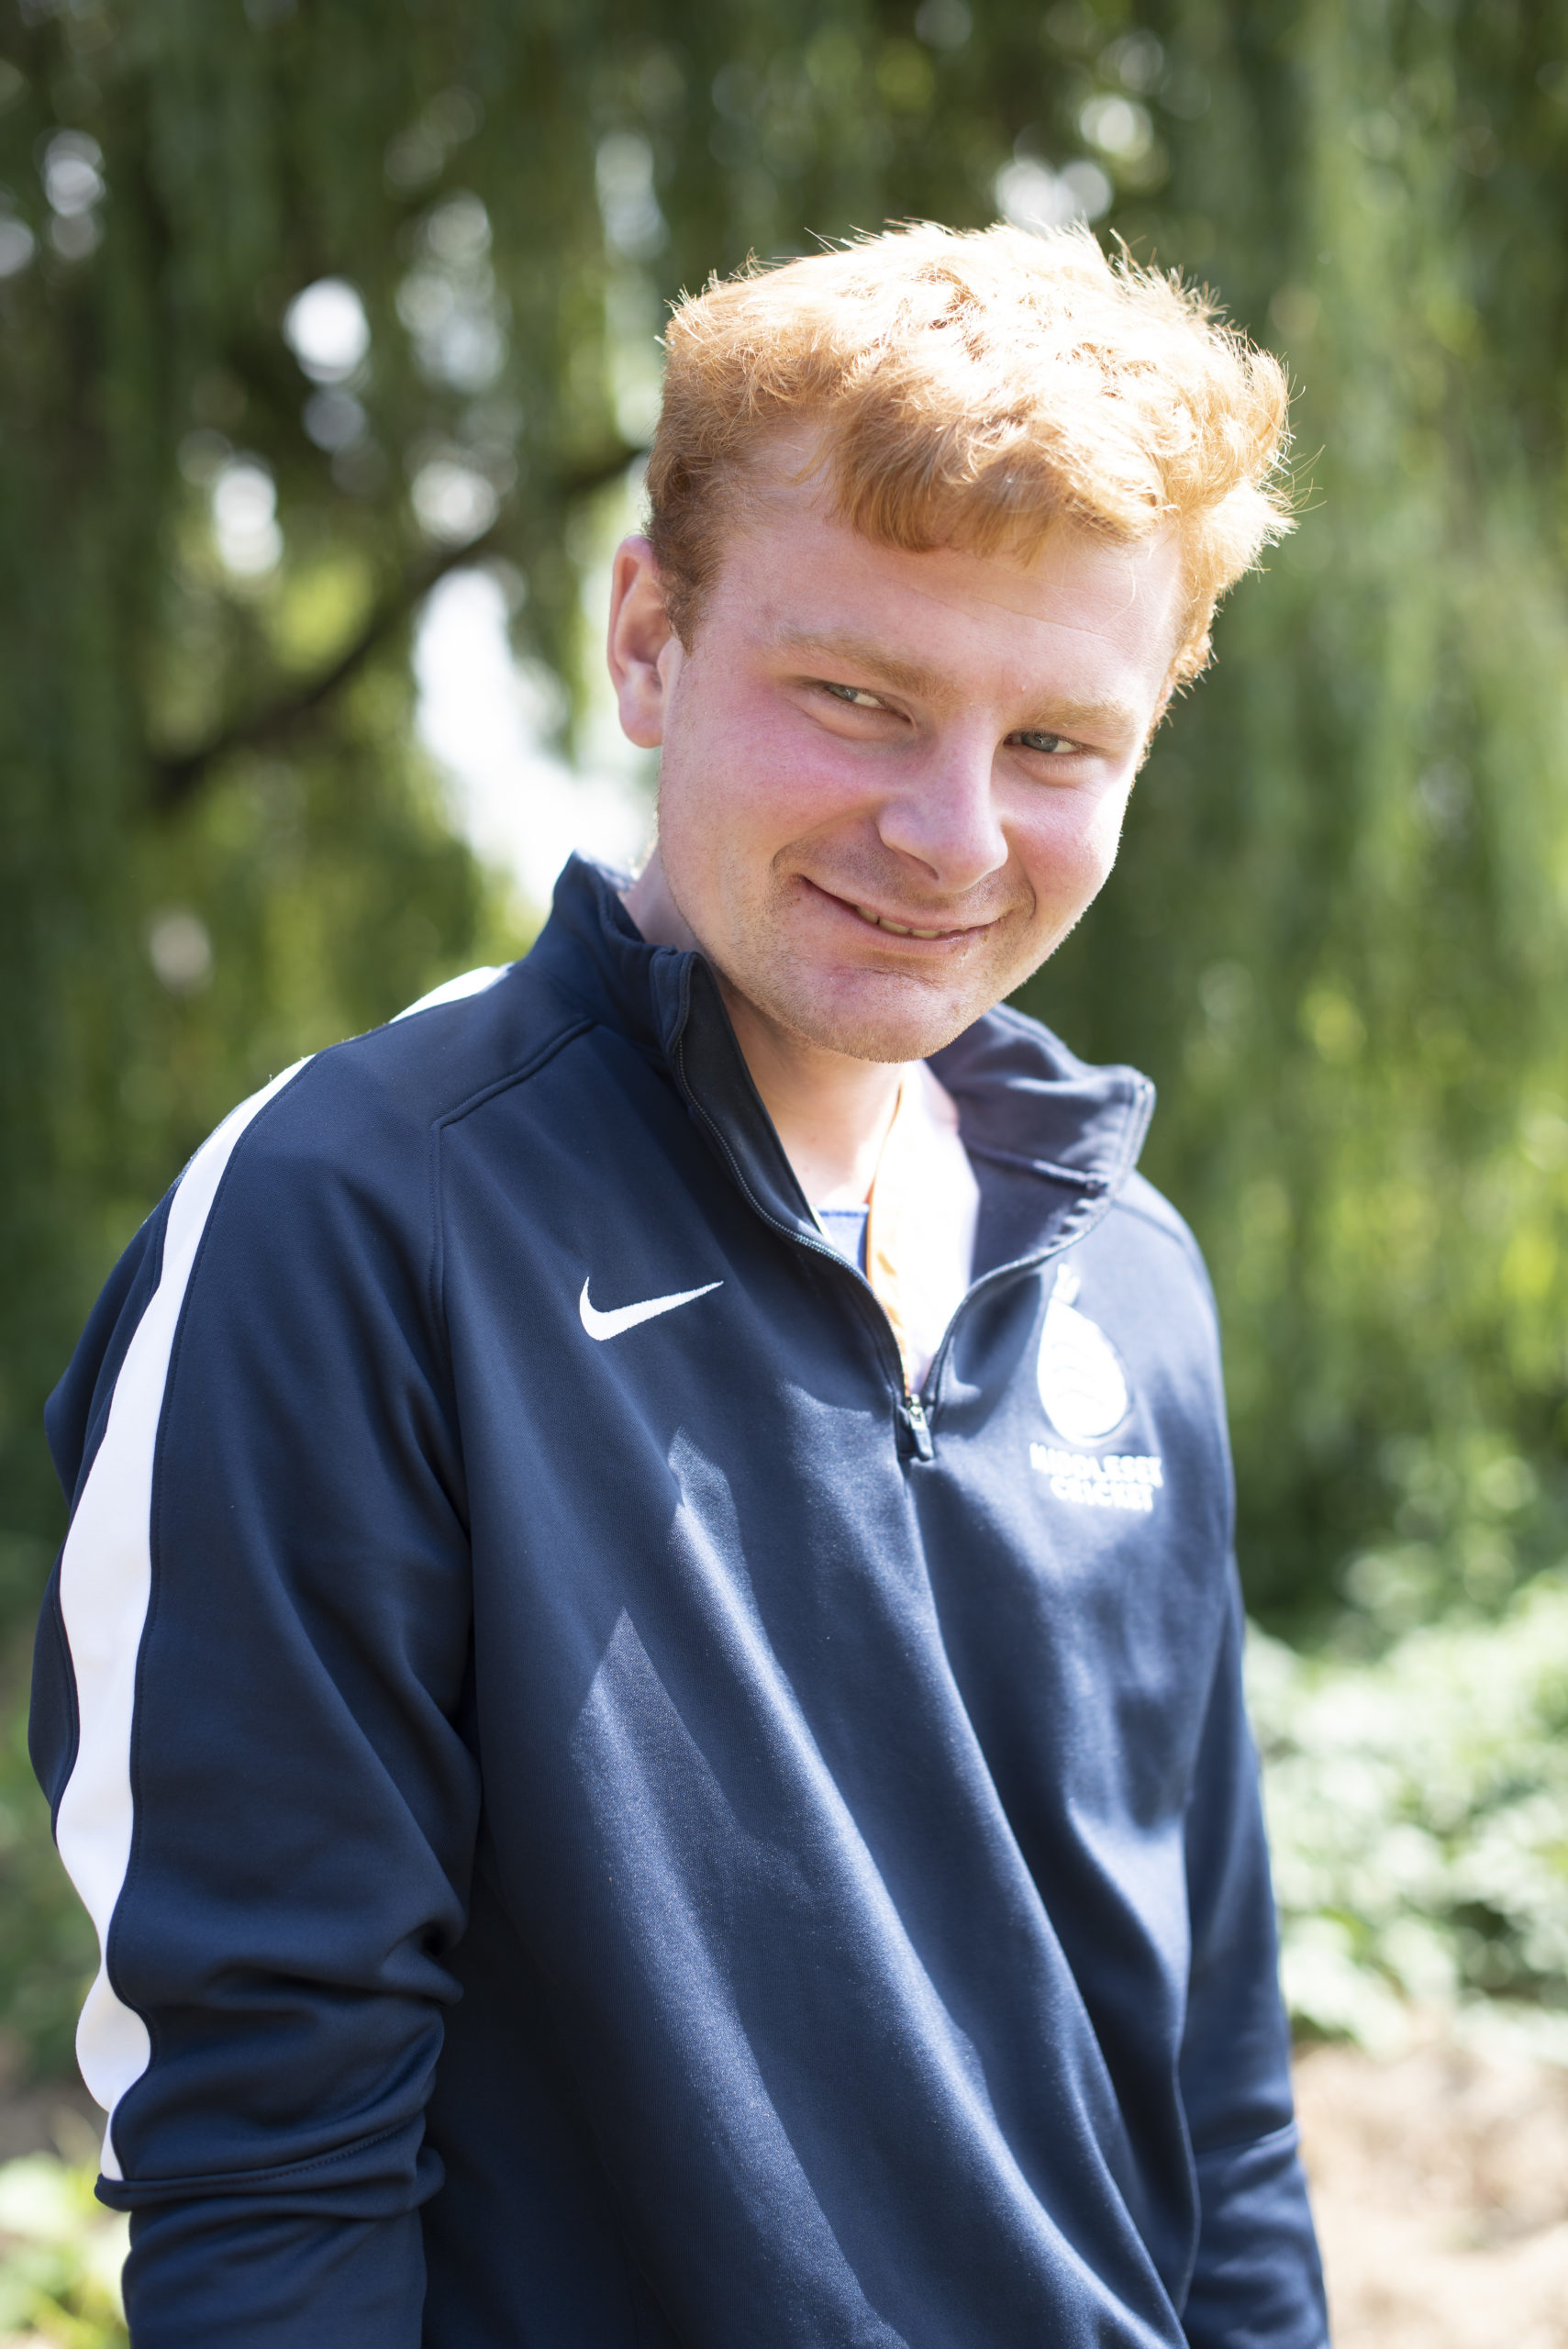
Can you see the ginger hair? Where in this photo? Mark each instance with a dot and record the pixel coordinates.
(971, 389)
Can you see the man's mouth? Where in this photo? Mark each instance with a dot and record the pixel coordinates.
(928, 931)
(907, 928)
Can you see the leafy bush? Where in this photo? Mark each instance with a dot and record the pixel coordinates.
(61, 2256)
(1419, 1811)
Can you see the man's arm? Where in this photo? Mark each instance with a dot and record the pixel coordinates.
(1257, 2283)
(250, 1683)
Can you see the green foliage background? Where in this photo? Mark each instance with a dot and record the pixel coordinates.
(1337, 938)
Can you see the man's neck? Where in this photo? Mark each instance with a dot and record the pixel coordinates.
(831, 1112)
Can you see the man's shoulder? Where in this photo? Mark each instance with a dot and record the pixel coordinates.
(318, 1185)
(1146, 1252)
(361, 1117)
(1138, 1199)
(476, 1033)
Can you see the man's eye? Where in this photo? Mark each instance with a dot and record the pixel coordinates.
(856, 697)
(1054, 745)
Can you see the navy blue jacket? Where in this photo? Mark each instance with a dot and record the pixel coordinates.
(620, 1830)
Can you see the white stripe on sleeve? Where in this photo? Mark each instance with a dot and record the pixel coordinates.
(106, 1581)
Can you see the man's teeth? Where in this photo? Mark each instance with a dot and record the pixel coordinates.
(899, 929)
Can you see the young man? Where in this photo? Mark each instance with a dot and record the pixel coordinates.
(644, 1684)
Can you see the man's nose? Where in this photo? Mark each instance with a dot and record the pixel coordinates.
(943, 815)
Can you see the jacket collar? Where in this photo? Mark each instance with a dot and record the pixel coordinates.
(1052, 1138)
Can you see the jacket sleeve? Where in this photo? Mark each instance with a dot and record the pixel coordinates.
(1257, 2282)
(250, 1714)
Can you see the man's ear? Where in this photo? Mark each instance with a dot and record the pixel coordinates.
(643, 650)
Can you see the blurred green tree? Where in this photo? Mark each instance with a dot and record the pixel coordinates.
(1339, 936)
(306, 301)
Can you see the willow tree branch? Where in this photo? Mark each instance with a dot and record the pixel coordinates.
(177, 776)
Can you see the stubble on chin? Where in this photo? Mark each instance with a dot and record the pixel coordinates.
(891, 1016)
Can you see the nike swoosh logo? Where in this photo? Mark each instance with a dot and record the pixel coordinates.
(626, 1317)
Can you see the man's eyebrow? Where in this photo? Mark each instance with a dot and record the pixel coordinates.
(860, 652)
(1109, 716)
(1054, 715)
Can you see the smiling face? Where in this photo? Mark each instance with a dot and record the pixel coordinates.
(891, 783)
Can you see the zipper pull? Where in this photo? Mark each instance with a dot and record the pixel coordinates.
(919, 1427)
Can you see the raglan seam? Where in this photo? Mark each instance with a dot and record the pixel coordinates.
(580, 1006)
(1182, 1240)
(575, 1022)
(537, 1060)
(1180, 1237)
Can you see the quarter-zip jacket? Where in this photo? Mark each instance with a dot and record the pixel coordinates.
(612, 1825)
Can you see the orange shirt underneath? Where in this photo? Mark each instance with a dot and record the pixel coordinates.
(924, 1205)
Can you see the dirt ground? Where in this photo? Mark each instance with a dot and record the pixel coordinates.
(1440, 2186)
(1439, 2181)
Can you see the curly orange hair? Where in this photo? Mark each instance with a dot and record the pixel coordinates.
(971, 389)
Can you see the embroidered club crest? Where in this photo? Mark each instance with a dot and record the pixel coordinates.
(1082, 1383)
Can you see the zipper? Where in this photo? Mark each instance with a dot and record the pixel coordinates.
(992, 1279)
(909, 1407)
(918, 1420)
(915, 1410)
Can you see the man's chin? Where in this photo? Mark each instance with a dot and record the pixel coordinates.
(891, 1024)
